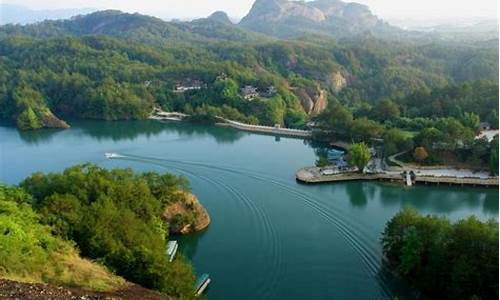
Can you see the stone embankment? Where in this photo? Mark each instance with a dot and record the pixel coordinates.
(271, 130)
(314, 175)
(267, 129)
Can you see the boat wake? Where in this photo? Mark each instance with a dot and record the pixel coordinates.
(354, 235)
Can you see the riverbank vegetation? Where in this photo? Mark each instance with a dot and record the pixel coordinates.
(86, 206)
(359, 155)
(446, 140)
(442, 259)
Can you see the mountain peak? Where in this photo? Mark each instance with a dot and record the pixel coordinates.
(284, 18)
(220, 16)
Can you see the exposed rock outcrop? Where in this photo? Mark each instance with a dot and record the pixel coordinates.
(337, 81)
(285, 18)
(220, 16)
(313, 101)
(49, 120)
(321, 102)
(186, 215)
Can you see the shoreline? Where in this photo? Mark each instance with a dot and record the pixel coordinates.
(266, 130)
(312, 175)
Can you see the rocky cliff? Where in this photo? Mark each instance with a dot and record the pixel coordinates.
(314, 101)
(186, 215)
(285, 18)
(49, 120)
(337, 81)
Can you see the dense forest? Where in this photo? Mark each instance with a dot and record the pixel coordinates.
(444, 260)
(111, 65)
(424, 93)
(52, 215)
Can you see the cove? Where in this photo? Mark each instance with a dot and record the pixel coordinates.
(270, 237)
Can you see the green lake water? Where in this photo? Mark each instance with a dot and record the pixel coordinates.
(270, 237)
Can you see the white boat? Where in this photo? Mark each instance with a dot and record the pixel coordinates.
(111, 155)
(202, 284)
(172, 250)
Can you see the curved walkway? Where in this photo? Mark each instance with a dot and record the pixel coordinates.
(159, 114)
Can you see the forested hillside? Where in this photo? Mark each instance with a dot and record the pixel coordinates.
(111, 65)
(84, 207)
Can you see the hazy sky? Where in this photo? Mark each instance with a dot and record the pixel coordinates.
(420, 9)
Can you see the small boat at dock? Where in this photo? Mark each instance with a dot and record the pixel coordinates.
(202, 284)
(172, 249)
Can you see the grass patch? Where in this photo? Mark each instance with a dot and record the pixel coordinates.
(29, 252)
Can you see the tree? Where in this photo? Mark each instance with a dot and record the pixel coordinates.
(396, 141)
(365, 129)
(493, 163)
(492, 118)
(420, 154)
(386, 110)
(227, 89)
(322, 162)
(337, 118)
(28, 120)
(471, 120)
(89, 205)
(416, 246)
(359, 156)
(428, 136)
(295, 119)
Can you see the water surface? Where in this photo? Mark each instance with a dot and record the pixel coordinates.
(270, 237)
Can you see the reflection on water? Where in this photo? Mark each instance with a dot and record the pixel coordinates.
(116, 131)
(357, 194)
(270, 237)
(131, 130)
(36, 137)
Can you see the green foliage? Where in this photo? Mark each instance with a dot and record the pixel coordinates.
(295, 118)
(321, 162)
(478, 97)
(89, 205)
(395, 140)
(28, 120)
(493, 162)
(386, 110)
(135, 61)
(364, 129)
(471, 120)
(359, 155)
(418, 245)
(30, 252)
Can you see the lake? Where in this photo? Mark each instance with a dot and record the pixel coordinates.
(270, 237)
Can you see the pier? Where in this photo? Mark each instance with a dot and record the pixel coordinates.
(313, 175)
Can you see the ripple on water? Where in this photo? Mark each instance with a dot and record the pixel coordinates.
(356, 238)
(268, 245)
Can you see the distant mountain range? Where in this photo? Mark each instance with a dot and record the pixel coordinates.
(18, 14)
(266, 19)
